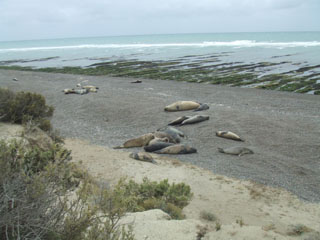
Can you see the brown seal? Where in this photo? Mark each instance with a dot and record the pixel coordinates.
(182, 106)
(229, 135)
(236, 151)
(156, 140)
(171, 138)
(142, 156)
(177, 149)
(137, 142)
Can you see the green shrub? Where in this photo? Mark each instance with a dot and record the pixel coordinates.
(22, 107)
(174, 211)
(152, 203)
(38, 200)
(171, 198)
(6, 96)
(30, 160)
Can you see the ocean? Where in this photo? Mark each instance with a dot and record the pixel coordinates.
(296, 47)
(286, 61)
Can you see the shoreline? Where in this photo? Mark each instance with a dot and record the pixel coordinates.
(285, 140)
(207, 69)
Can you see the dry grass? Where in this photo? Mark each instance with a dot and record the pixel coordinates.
(298, 229)
(208, 216)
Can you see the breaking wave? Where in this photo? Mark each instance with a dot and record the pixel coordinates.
(234, 44)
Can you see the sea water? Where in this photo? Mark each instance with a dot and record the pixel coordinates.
(298, 48)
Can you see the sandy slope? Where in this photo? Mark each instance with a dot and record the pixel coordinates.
(266, 213)
(245, 210)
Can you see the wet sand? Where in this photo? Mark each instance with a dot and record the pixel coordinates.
(283, 129)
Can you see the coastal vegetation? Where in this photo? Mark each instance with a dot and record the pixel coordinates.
(45, 195)
(202, 69)
(23, 107)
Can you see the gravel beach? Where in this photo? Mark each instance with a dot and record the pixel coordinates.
(283, 129)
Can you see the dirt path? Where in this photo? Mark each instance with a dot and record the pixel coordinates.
(283, 129)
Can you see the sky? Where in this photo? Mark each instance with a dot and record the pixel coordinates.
(44, 19)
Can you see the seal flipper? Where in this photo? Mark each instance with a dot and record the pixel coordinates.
(118, 147)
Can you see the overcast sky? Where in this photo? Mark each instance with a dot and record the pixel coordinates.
(39, 19)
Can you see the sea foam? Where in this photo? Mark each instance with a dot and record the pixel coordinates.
(234, 44)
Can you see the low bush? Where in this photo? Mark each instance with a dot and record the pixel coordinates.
(17, 157)
(171, 198)
(208, 216)
(22, 107)
(45, 196)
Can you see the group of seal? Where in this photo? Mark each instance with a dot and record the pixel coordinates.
(163, 141)
(239, 151)
(195, 106)
(81, 90)
(167, 140)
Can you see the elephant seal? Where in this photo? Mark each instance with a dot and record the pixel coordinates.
(90, 88)
(137, 142)
(77, 91)
(157, 146)
(236, 151)
(178, 121)
(229, 135)
(177, 149)
(142, 156)
(68, 90)
(195, 119)
(138, 81)
(172, 138)
(181, 106)
(81, 91)
(202, 107)
(156, 140)
(171, 130)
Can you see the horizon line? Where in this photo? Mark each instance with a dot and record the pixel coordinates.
(153, 34)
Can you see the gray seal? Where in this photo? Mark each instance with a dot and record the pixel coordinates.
(177, 149)
(195, 119)
(178, 120)
(202, 107)
(236, 151)
(172, 138)
(81, 91)
(172, 131)
(142, 156)
(157, 146)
